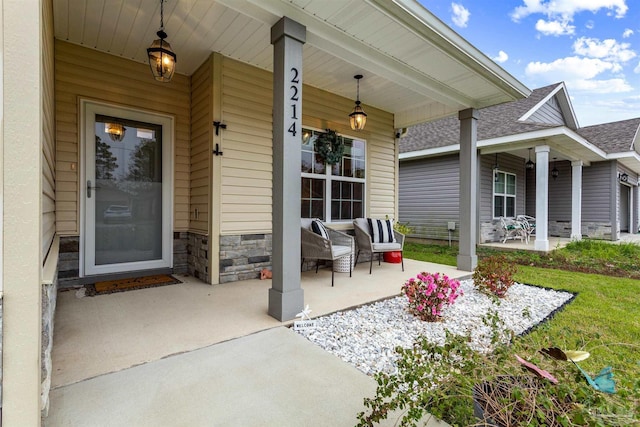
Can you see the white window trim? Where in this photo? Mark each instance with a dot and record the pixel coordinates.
(505, 195)
(328, 178)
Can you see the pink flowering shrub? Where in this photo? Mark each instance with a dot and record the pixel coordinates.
(494, 275)
(429, 294)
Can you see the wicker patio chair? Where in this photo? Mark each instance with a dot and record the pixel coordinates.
(366, 244)
(314, 246)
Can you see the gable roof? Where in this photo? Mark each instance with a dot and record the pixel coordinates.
(501, 120)
(614, 137)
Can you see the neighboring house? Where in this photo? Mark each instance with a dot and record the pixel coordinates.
(585, 198)
(109, 173)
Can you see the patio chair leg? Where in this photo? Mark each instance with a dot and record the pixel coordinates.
(317, 261)
(371, 263)
(379, 256)
(402, 258)
(332, 276)
(302, 264)
(350, 264)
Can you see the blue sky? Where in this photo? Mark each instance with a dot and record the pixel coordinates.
(591, 45)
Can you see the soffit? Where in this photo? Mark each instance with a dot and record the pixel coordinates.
(414, 66)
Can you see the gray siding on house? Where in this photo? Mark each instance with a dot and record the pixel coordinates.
(530, 193)
(429, 195)
(560, 192)
(549, 113)
(596, 188)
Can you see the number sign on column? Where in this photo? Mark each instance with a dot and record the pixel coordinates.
(294, 100)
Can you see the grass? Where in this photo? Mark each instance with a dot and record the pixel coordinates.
(604, 318)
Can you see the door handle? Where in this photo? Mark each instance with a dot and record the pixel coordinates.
(89, 188)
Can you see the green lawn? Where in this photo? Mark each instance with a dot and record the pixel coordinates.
(604, 318)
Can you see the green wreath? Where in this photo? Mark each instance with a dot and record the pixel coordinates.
(330, 147)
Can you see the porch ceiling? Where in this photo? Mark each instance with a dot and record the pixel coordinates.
(414, 65)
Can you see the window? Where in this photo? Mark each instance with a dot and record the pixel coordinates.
(504, 194)
(332, 192)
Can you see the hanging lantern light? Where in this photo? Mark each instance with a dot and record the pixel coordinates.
(162, 59)
(358, 118)
(554, 172)
(115, 131)
(530, 165)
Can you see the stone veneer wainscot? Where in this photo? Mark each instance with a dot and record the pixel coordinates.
(242, 256)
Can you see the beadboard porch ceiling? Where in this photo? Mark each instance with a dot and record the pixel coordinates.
(413, 64)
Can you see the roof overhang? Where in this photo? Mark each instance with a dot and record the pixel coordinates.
(629, 159)
(565, 144)
(414, 65)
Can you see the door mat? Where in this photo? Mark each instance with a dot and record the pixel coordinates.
(111, 286)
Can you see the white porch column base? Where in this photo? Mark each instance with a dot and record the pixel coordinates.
(286, 297)
(576, 200)
(542, 198)
(467, 259)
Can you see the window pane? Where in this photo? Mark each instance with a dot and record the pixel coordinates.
(358, 170)
(317, 209)
(306, 161)
(335, 209)
(347, 166)
(498, 207)
(346, 190)
(317, 188)
(306, 188)
(511, 184)
(358, 190)
(312, 198)
(358, 211)
(511, 207)
(305, 211)
(499, 184)
(346, 210)
(318, 166)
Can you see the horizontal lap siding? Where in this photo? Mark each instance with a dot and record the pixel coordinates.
(247, 146)
(247, 161)
(560, 192)
(48, 132)
(550, 113)
(82, 72)
(596, 192)
(201, 136)
(430, 195)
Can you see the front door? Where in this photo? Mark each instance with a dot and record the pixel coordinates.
(625, 212)
(126, 190)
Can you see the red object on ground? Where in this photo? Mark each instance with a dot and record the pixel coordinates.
(392, 257)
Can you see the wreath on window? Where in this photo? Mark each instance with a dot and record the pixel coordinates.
(330, 147)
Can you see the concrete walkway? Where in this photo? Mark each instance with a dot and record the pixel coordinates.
(200, 355)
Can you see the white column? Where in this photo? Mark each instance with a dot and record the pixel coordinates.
(467, 258)
(21, 138)
(576, 200)
(542, 198)
(286, 296)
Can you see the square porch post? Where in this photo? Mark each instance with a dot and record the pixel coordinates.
(576, 200)
(542, 198)
(286, 296)
(467, 258)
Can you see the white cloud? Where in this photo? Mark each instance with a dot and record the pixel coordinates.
(502, 57)
(627, 33)
(580, 73)
(568, 8)
(609, 49)
(554, 28)
(590, 24)
(460, 14)
(637, 69)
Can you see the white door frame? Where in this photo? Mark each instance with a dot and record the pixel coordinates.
(88, 110)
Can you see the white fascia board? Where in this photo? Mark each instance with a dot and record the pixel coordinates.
(429, 152)
(427, 25)
(630, 159)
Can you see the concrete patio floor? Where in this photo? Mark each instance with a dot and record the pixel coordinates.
(113, 354)
(555, 242)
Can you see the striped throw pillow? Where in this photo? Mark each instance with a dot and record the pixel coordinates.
(319, 228)
(381, 230)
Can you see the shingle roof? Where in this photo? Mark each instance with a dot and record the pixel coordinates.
(495, 121)
(614, 137)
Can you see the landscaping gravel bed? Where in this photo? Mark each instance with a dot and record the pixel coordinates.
(367, 336)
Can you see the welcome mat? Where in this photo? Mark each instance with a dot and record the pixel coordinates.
(111, 286)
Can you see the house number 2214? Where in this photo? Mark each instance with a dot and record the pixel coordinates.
(294, 99)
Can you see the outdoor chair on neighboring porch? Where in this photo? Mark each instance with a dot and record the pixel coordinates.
(512, 229)
(377, 236)
(320, 242)
(529, 224)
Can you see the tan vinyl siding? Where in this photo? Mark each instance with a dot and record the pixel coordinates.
(247, 161)
(48, 131)
(201, 137)
(86, 73)
(247, 146)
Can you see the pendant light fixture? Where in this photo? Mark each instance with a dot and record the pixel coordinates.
(115, 131)
(554, 172)
(530, 165)
(495, 170)
(358, 118)
(162, 59)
